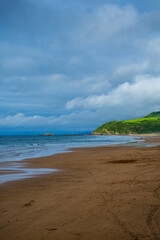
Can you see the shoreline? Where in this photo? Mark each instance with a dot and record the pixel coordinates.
(19, 169)
(24, 166)
(99, 193)
(51, 150)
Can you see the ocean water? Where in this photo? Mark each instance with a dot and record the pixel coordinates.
(17, 148)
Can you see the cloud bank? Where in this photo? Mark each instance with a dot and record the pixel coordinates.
(143, 91)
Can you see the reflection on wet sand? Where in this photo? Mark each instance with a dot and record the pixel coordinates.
(14, 171)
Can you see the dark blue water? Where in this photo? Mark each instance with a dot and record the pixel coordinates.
(16, 148)
(13, 148)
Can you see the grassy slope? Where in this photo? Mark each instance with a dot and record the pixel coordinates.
(148, 124)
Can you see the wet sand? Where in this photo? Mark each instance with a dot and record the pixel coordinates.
(108, 193)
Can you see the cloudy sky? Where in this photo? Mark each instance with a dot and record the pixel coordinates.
(69, 66)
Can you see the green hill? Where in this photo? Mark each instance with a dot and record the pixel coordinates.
(146, 125)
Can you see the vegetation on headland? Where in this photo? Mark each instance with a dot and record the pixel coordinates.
(146, 125)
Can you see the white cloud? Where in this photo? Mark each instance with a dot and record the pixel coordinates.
(123, 102)
(129, 71)
(144, 90)
(21, 120)
(64, 123)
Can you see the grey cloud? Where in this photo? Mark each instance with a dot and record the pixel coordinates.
(105, 22)
(84, 55)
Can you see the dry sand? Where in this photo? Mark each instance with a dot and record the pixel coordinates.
(109, 193)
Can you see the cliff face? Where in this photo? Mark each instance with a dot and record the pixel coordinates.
(148, 124)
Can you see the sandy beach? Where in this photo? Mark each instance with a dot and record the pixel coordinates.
(108, 193)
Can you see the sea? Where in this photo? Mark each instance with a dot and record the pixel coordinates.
(14, 149)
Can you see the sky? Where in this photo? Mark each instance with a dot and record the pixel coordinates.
(70, 66)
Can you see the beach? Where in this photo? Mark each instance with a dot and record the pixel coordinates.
(97, 193)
